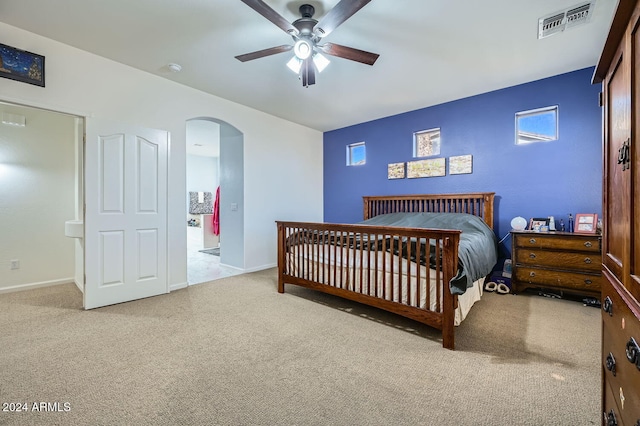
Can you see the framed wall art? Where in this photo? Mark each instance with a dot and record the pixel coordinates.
(21, 65)
(426, 168)
(395, 171)
(461, 164)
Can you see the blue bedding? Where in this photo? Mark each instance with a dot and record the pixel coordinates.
(477, 252)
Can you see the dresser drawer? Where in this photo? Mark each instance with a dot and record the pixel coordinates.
(610, 409)
(622, 319)
(560, 259)
(625, 384)
(620, 325)
(550, 278)
(558, 242)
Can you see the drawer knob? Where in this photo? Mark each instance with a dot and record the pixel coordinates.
(532, 274)
(587, 260)
(588, 244)
(532, 240)
(632, 351)
(607, 306)
(532, 255)
(588, 282)
(611, 363)
(610, 418)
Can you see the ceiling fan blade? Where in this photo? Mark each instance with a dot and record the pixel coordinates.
(308, 73)
(263, 9)
(262, 53)
(336, 16)
(349, 53)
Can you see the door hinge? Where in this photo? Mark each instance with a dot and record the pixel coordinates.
(600, 99)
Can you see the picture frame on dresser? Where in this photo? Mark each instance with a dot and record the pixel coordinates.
(586, 223)
(538, 222)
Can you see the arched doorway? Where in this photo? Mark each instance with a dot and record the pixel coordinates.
(215, 158)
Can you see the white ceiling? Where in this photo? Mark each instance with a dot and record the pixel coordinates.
(430, 51)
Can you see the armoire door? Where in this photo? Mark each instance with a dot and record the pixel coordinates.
(634, 169)
(616, 190)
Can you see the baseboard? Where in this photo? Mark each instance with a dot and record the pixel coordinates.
(31, 286)
(79, 285)
(178, 286)
(241, 270)
(260, 268)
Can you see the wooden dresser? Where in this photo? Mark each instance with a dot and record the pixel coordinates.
(620, 80)
(560, 261)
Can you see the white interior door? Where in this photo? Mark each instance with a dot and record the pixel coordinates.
(125, 218)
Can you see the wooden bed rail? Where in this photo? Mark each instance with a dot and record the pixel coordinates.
(478, 204)
(375, 265)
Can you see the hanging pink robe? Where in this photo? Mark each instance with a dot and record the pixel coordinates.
(216, 213)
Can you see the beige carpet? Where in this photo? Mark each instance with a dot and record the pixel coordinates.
(235, 352)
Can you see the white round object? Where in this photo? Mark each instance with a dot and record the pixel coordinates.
(518, 223)
(174, 67)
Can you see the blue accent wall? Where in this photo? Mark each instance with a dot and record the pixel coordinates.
(535, 180)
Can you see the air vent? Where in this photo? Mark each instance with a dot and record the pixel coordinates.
(551, 25)
(565, 19)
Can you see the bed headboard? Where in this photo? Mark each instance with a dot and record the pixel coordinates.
(478, 204)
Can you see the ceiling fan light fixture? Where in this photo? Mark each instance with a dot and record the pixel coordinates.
(302, 49)
(295, 64)
(307, 33)
(320, 61)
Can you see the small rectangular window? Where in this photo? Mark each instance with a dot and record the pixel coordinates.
(356, 154)
(537, 125)
(426, 143)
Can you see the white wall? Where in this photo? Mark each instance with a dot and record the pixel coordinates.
(282, 160)
(202, 176)
(232, 199)
(37, 193)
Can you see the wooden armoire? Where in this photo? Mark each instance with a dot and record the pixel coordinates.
(619, 72)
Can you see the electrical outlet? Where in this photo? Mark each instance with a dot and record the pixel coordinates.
(15, 264)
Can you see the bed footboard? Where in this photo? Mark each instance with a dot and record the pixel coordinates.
(402, 270)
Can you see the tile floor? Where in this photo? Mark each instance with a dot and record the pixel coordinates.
(202, 267)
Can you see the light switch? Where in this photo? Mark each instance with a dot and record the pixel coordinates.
(234, 207)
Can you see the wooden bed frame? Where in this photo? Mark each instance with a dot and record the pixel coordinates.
(306, 250)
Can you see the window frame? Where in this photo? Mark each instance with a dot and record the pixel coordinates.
(416, 135)
(533, 112)
(350, 148)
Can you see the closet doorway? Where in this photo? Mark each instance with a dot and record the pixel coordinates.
(214, 173)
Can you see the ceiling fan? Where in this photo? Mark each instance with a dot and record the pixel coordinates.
(307, 34)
